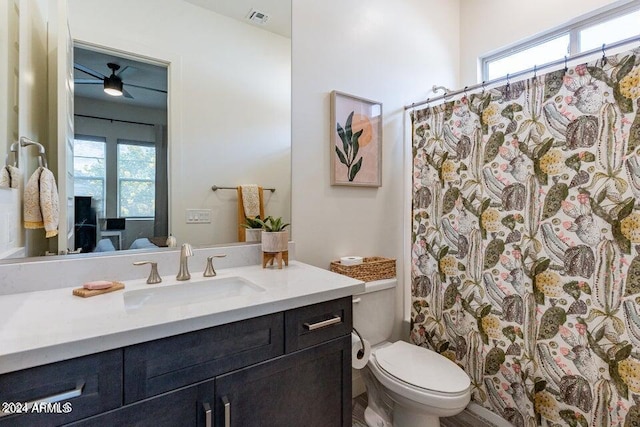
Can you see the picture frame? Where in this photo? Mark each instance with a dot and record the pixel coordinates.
(356, 141)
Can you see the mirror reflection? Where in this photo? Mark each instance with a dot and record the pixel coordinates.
(120, 153)
(226, 122)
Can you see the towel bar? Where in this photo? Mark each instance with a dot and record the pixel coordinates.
(13, 150)
(216, 188)
(42, 159)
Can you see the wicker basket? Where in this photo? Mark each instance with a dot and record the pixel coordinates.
(372, 268)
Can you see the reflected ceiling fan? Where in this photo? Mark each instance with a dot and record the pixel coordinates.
(113, 84)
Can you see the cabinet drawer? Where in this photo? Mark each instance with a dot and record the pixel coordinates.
(77, 388)
(158, 366)
(313, 324)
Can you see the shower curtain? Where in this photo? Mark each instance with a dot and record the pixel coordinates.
(526, 243)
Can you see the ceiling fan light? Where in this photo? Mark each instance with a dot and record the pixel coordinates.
(113, 86)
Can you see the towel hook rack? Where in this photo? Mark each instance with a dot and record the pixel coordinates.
(13, 151)
(216, 188)
(42, 158)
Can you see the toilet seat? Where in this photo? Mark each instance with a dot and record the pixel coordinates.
(425, 393)
(422, 368)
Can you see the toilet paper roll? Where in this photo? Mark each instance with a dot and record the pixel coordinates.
(351, 260)
(359, 356)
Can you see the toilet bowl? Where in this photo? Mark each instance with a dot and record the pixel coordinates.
(407, 385)
(422, 384)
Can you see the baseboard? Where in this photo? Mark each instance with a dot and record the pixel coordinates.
(487, 415)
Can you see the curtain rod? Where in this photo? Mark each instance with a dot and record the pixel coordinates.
(114, 120)
(533, 69)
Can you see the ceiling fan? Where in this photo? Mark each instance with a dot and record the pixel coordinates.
(113, 84)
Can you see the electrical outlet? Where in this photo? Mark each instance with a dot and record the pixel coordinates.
(198, 216)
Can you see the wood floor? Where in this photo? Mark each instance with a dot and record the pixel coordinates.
(464, 419)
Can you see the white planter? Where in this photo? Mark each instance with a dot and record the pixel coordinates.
(275, 242)
(253, 235)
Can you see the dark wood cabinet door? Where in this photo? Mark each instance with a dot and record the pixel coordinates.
(185, 407)
(310, 387)
(77, 388)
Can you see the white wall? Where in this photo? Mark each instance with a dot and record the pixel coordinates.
(231, 82)
(391, 52)
(32, 102)
(10, 224)
(488, 25)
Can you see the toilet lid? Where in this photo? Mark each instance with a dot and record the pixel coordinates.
(422, 368)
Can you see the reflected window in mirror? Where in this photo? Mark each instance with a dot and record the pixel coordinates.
(90, 170)
(136, 179)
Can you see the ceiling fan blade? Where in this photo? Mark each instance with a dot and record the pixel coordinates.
(147, 88)
(87, 82)
(127, 94)
(89, 71)
(128, 67)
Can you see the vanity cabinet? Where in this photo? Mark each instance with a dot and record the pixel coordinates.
(284, 369)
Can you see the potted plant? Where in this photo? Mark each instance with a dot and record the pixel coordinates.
(253, 232)
(274, 236)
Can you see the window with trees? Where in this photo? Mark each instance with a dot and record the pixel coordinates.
(90, 170)
(136, 179)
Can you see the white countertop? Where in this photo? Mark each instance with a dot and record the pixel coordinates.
(48, 326)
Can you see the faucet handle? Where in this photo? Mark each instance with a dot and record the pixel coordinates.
(186, 250)
(210, 271)
(154, 277)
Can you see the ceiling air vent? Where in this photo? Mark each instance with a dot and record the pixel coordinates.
(257, 17)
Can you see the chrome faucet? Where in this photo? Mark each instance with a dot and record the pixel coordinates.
(185, 251)
(154, 277)
(209, 271)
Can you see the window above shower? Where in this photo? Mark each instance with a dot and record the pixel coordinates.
(580, 36)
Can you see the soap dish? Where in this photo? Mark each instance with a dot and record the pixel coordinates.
(86, 293)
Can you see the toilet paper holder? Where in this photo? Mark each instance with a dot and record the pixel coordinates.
(361, 351)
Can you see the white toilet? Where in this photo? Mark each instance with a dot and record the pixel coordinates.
(417, 385)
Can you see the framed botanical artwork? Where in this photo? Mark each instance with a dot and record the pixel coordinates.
(356, 141)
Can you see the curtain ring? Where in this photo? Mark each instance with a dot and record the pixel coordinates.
(465, 91)
(507, 88)
(604, 55)
(566, 67)
(444, 97)
(535, 71)
(483, 88)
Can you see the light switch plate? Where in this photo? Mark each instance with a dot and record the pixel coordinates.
(198, 216)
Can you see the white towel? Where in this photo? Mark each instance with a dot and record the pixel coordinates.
(41, 202)
(250, 200)
(10, 177)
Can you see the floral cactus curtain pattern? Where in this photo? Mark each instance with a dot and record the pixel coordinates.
(526, 243)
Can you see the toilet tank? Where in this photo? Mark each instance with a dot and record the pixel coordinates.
(374, 310)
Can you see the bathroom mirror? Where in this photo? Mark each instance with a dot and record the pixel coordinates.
(229, 100)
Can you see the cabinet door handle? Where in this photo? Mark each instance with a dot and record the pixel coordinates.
(207, 415)
(319, 325)
(66, 395)
(227, 411)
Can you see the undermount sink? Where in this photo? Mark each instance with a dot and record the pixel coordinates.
(215, 289)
